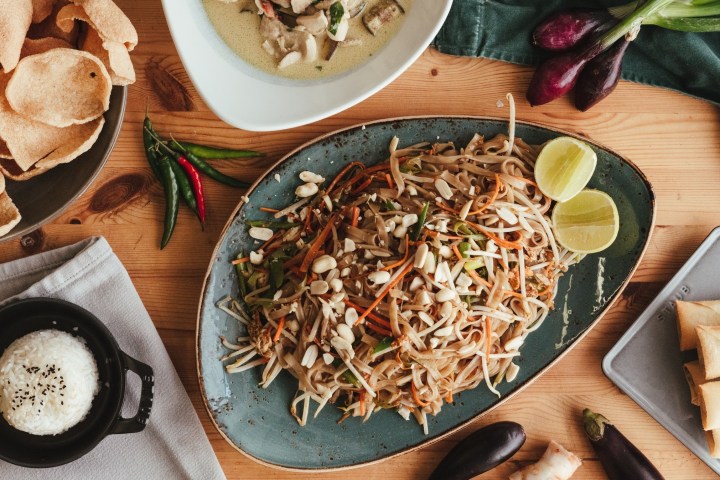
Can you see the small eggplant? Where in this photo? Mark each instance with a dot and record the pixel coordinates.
(481, 451)
(600, 76)
(557, 75)
(567, 28)
(620, 458)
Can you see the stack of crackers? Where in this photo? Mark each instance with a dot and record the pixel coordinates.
(58, 63)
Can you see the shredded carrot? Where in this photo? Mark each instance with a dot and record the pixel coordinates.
(376, 318)
(442, 206)
(308, 219)
(240, 260)
(477, 277)
(419, 402)
(355, 216)
(281, 325)
(317, 244)
(376, 168)
(513, 294)
(342, 173)
(457, 253)
(362, 186)
(449, 397)
(380, 297)
(268, 210)
(492, 198)
(402, 260)
(379, 330)
(270, 240)
(488, 338)
(362, 403)
(389, 180)
(433, 233)
(499, 241)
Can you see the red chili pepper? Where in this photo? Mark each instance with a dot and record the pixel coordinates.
(196, 182)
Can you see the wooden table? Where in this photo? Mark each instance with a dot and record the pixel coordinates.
(673, 138)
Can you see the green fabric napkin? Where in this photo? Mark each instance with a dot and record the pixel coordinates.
(500, 29)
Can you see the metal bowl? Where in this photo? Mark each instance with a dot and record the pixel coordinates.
(43, 198)
(39, 451)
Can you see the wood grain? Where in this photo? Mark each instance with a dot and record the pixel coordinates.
(673, 138)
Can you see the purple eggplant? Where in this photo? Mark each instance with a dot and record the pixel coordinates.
(600, 76)
(557, 75)
(567, 28)
(481, 451)
(620, 458)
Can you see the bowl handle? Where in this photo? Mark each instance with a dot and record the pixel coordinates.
(139, 421)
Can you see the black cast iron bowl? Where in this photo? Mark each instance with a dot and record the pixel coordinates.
(25, 316)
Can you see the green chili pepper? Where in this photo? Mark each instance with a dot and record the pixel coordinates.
(204, 151)
(149, 144)
(206, 168)
(200, 164)
(270, 224)
(184, 186)
(421, 222)
(172, 199)
(384, 344)
(241, 269)
(277, 276)
(337, 11)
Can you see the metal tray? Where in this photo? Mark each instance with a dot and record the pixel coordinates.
(647, 364)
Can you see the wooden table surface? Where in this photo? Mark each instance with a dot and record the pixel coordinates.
(673, 138)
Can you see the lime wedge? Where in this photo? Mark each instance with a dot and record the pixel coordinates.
(564, 168)
(587, 223)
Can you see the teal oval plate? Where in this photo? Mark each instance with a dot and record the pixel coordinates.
(257, 421)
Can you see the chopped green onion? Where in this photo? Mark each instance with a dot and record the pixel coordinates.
(421, 222)
(384, 344)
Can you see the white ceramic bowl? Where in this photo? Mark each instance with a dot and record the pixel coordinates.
(251, 99)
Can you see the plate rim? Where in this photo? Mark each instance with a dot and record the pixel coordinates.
(123, 91)
(503, 400)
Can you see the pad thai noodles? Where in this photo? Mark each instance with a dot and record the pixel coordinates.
(399, 285)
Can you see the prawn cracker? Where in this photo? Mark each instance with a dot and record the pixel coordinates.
(25, 142)
(61, 87)
(35, 46)
(10, 169)
(104, 16)
(9, 214)
(4, 151)
(113, 55)
(41, 9)
(49, 27)
(15, 18)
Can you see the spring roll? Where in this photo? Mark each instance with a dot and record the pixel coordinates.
(695, 377)
(555, 464)
(709, 350)
(692, 314)
(713, 441)
(709, 396)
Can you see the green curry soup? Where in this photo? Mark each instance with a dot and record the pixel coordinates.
(239, 25)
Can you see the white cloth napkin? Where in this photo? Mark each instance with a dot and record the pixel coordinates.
(174, 444)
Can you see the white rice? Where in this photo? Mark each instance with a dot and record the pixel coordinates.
(48, 380)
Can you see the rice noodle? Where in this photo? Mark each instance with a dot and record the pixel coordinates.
(490, 271)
